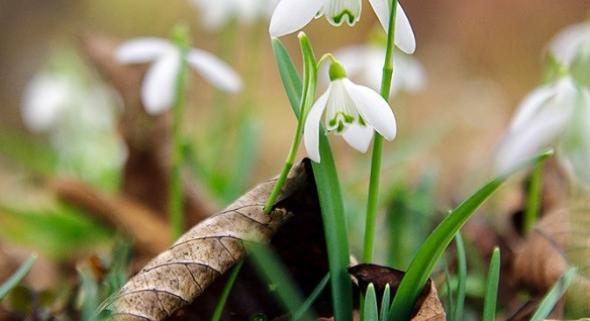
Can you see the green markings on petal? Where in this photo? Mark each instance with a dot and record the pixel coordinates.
(339, 11)
(345, 15)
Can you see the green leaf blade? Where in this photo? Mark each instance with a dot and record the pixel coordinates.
(17, 277)
(489, 307)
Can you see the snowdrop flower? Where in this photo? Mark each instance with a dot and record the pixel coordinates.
(218, 13)
(292, 15)
(350, 110)
(555, 114)
(365, 63)
(566, 45)
(157, 91)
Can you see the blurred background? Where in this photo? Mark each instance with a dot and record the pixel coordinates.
(479, 59)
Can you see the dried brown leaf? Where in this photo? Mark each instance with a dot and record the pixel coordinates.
(558, 241)
(428, 307)
(180, 274)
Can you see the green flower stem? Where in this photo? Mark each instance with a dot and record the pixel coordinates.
(274, 194)
(533, 203)
(307, 96)
(176, 194)
(372, 201)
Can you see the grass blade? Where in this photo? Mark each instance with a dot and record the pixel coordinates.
(385, 302)
(370, 309)
(433, 248)
(457, 312)
(556, 292)
(311, 298)
(275, 273)
(226, 291)
(15, 279)
(289, 76)
(489, 306)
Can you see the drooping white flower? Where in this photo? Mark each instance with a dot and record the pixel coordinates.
(365, 64)
(292, 15)
(566, 45)
(218, 13)
(157, 91)
(557, 114)
(350, 110)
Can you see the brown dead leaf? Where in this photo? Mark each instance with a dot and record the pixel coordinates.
(558, 241)
(428, 307)
(180, 274)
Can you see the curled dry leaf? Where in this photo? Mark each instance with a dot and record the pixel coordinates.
(180, 274)
(428, 307)
(558, 241)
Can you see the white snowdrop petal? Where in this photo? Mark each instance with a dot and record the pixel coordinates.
(410, 75)
(44, 99)
(524, 143)
(292, 15)
(404, 35)
(141, 50)
(530, 105)
(574, 147)
(566, 43)
(157, 90)
(374, 109)
(311, 130)
(381, 8)
(220, 74)
(358, 136)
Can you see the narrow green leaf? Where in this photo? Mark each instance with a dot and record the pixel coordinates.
(433, 248)
(289, 76)
(533, 202)
(385, 302)
(218, 312)
(275, 273)
(15, 279)
(311, 298)
(556, 292)
(449, 288)
(461, 279)
(370, 307)
(489, 306)
(334, 221)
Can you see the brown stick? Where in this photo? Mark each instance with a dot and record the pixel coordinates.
(150, 233)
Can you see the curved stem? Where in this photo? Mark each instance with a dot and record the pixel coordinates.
(372, 201)
(176, 191)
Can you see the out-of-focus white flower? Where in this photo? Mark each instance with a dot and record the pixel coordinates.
(45, 98)
(217, 13)
(157, 91)
(350, 110)
(557, 114)
(566, 45)
(365, 64)
(75, 114)
(292, 15)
